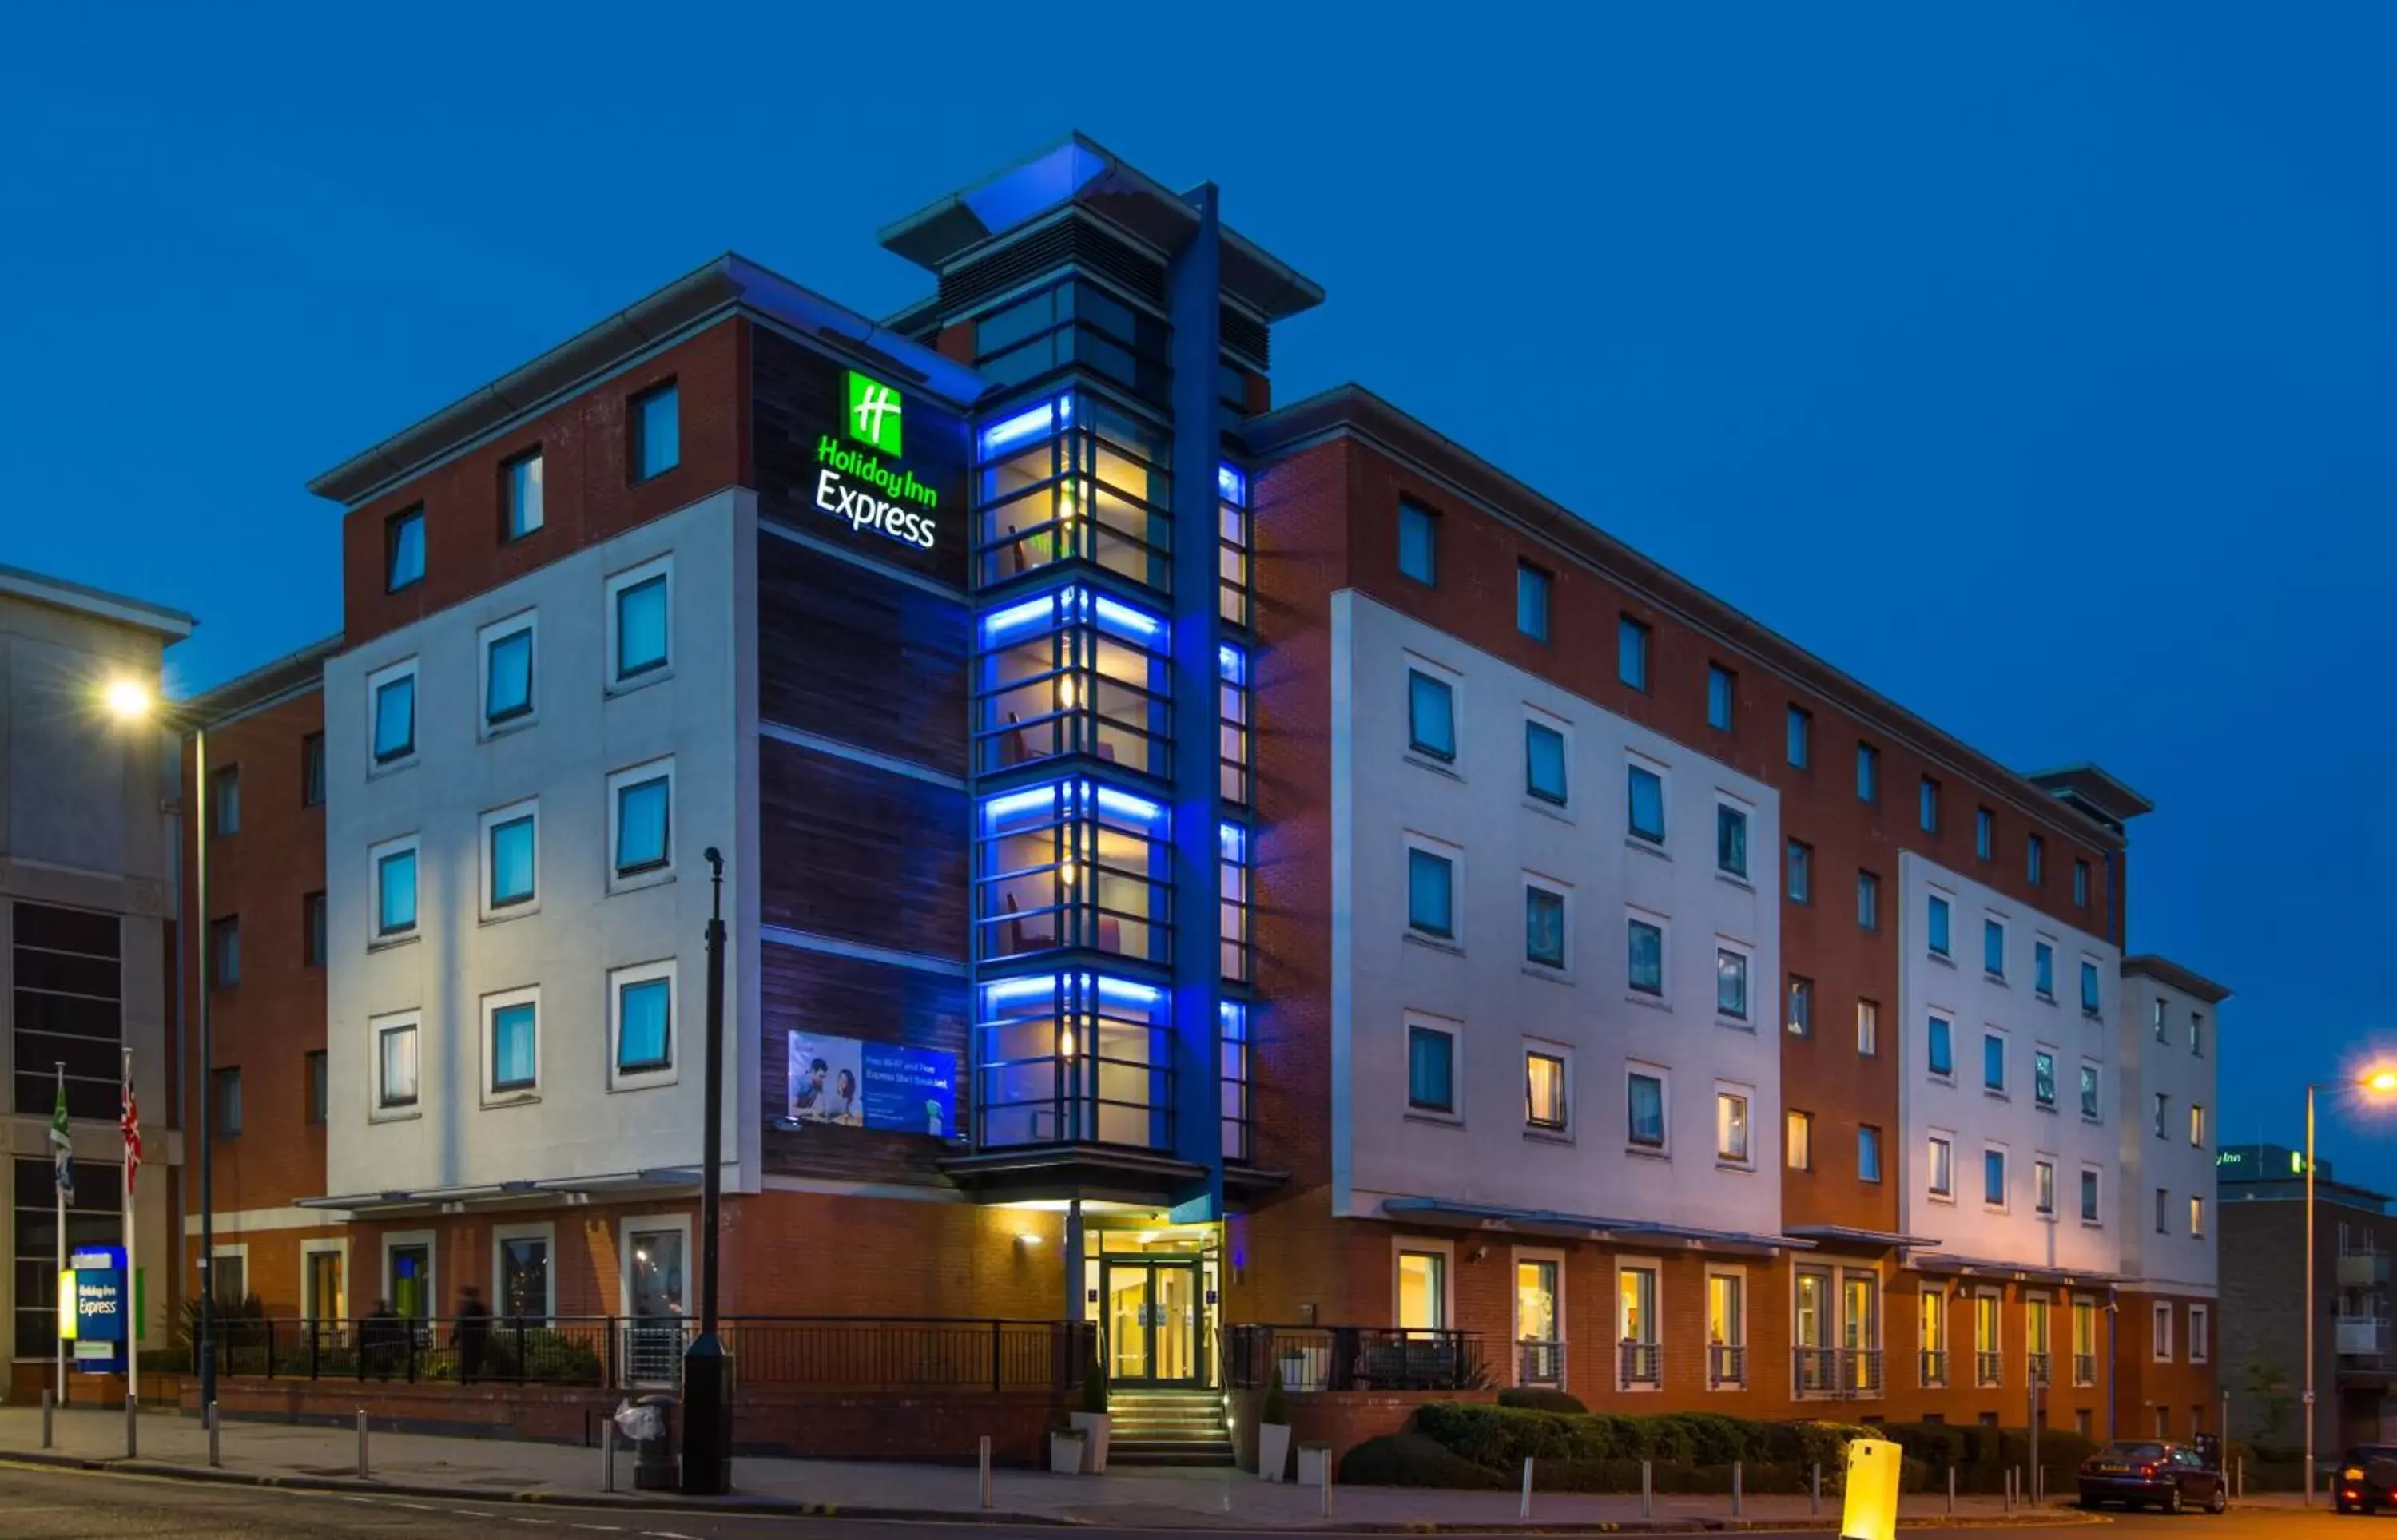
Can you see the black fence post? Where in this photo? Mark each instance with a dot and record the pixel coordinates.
(608, 1354)
(359, 1354)
(408, 1330)
(520, 1351)
(270, 1348)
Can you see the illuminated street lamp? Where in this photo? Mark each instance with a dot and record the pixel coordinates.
(2379, 1081)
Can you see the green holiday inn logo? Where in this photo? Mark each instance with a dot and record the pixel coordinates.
(874, 413)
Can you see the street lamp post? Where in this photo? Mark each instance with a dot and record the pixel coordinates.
(707, 1368)
(2382, 1081)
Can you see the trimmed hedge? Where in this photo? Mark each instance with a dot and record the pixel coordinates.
(1981, 1456)
(1535, 1398)
(1601, 1452)
(1411, 1460)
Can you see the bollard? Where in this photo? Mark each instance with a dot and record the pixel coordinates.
(216, 1418)
(1737, 1493)
(48, 1406)
(606, 1454)
(2009, 1492)
(2242, 1460)
(1526, 1512)
(132, 1435)
(1647, 1489)
(1326, 1509)
(982, 1473)
(1815, 1496)
(1952, 1492)
(362, 1444)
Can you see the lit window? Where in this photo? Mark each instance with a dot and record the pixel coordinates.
(1532, 587)
(520, 511)
(1800, 750)
(2196, 1214)
(1797, 1140)
(1431, 716)
(1632, 653)
(403, 549)
(1801, 873)
(657, 432)
(1993, 1177)
(1544, 763)
(1801, 1007)
(1942, 1166)
(1868, 1153)
(1544, 927)
(1722, 688)
(2043, 1077)
(1544, 1091)
(1731, 983)
(1868, 901)
(1647, 1110)
(2197, 1126)
(1419, 543)
(1868, 1027)
(1938, 926)
(1430, 881)
(1984, 833)
(1647, 957)
(1431, 1070)
(1731, 839)
(1731, 1127)
(1930, 805)
(1867, 772)
(1993, 1062)
(1942, 1047)
(639, 604)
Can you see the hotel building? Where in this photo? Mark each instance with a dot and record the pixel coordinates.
(1192, 865)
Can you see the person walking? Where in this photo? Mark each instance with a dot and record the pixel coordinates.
(380, 1338)
(472, 1335)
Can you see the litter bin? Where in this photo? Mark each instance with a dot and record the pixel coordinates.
(1870, 1513)
(650, 1424)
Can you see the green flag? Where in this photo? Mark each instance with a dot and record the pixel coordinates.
(62, 1142)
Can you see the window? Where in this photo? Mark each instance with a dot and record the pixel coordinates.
(2089, 1000)
(1722, 687)
(1647, 957)
(523, 1295)
(1993, 948)
(2196, 1216)
(1636, 1306)
(1797, 1140)
(2197, 1033)
(1801, 734)
(1801, 1007)
(2196, 1126)
(1993, 1177)
(1647, 791)
(1431, 1070)
(1731, 1127)
(507, 671)
(1942, 1056)
(2042, 969)
(391, 713)
(510, 849)
(1647, 1110)
(2043, 1187)
(312, 770)
(1988, 1343)
(224, 1096)
(2088, 1196)
(1929, 810)
(1801, 873)
(1419, 543)
(1993, 1062)
(1544, 927)
(1868, 901)
(1942, 1167)
(1731, 839)
(224, 952)
(1431, 716)
(1731, 983)
(1430, 883)
(640, 633)
(1938, 926)
(1868, 1027)
(1934, 1319)
(2200, 1342)
(2164, 1209)
(1544, 763)
(2034, 860)
(2089, 1092)
(1867, 772)
(520, 511)
(2157, 1012)
(395, 1064)
(511, 1027)
(312, 930)
(641, 820)
(1984, 833)
(1632, 653)
(2042, 1078)
(640, 1009)
(224, 800)
(1544, 1090)
(319, 1087)
(1868, 1153)
(394, 874)
(2163, 1113)
(2081, 885)
(1532, 587)
(1423, 1290)
(403, 549)
(1727, 1327)
(657, 431)
(2160, 1332)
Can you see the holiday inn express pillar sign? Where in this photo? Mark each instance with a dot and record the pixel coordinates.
(95, 1308)
(861, 477)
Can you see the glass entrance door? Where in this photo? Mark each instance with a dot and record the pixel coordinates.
(1153, 1322)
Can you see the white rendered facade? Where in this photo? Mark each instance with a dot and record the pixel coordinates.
(2170, 1130)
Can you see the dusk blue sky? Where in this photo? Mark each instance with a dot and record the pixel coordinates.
(2032, 362)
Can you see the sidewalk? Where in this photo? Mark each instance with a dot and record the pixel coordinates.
(492, 1470)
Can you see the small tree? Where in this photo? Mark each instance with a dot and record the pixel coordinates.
(1276, 1407)
(2271, 1389)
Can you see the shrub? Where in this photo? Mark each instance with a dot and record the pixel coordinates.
(1411, 1460)
(1981, 1456)
(1276, 1407)
(1532, 1398)
(1602, 1451)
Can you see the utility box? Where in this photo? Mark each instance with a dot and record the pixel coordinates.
(1874, 1467)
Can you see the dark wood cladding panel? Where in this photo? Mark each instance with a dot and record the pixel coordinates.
(799, 396)
(849, 654)
(860, 853)
(816, 992)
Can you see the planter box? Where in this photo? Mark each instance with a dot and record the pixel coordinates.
(1094, 1426)
(1065, 1453)
(1273, 1451)
(1315, 1465)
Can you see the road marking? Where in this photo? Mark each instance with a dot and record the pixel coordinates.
(421, 1507)
(469, 1513)
(609, 1529)
(665, 1535)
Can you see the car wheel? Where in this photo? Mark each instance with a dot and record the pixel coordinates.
(2172, 1499)
(2219, 1501)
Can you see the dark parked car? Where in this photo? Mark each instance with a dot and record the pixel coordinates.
(2367, 1479)
(2138, 1472)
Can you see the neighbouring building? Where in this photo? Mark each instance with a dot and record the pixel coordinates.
(2261, 1191)
(1256, 880)
(87, 921)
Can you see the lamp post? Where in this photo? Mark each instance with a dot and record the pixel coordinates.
(2382, 1081)
(706, 1367)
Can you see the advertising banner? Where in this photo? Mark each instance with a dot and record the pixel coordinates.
(94, 1308)
(880, 1085)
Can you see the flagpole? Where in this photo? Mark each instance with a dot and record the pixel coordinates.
(58, 1193)
(132, 1271)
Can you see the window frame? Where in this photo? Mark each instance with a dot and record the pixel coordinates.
(376, 683)
(643, 1077)
(1984, 834)
(376, 935)
(381, 1107)
(1449, 1030)
(620, 878)
(489, 907)
(1663, 927)
(1868, 1141)
(1927, 810)
(1636, 766)
(542, 1231)
(1745, 1096)
(1867, 774)
(514, 1093)
(2043, 1053)
(1868, 1027)
(1942, 907)
(317, 1091)
(1937, 1017)
(1745, 955)
(1798, 1005)
(2093, 1001)
(225, 1111)
(2035, 859)
(1561, 1055)
(1939, 1148)
(2160, 1331)
(2003, 1203)
(2043, 947)
(2093, 1091)
(2080, 882)
(1453, 857)
(1635, 652)
(510, 505)
(2042, 1189)
(2000, 1039)
(1635, 1069)
(315, 929)
(1994, 927)
(1733, 814)
(1418, 518)
(612, 591)
(312, 770)
(1540, 721)
(1869, 901)
(1531, 580)
(1447, 681)
(1722, 698)
(2093, 1194)
(1798, 871)
(2201, 1322)
(393, 524)
(224, 952)
(1534, 883)
(524, 623)
(1797, 1139)
(1798, 749)
(637, 430)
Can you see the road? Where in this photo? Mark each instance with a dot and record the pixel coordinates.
(39, 1503)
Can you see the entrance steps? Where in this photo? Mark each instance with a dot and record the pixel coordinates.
(1168, 1427)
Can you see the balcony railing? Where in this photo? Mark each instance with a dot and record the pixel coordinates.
(1640, 1362)
(1539, 1363)
(2360, 1268)
(2362, 1337)
(1835, 1370)
(1353, 1358)
(2084, 1368)
(1726, 1364)
(2041, 1367)
(1812, 1372)
(1989, 1368)
(828, 1352)
(1931, 1367)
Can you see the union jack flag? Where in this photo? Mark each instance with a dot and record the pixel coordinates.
(130, 1120)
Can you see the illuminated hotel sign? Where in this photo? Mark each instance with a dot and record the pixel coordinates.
(855, 484)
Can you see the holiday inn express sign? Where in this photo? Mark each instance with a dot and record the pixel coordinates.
(857, 484)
